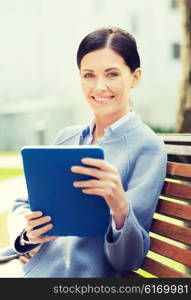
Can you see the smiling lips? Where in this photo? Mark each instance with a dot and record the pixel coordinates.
(103, 99)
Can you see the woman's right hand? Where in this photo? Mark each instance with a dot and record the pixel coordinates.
(34, 219)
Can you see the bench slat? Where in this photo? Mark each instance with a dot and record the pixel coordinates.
(178, 149)
(180, 138)
(172, 209)
(179, 169)
(178, 190)
(171, 251)
(132, 274)
(175, 232)
(161, 270)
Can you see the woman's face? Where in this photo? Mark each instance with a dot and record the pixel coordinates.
(106, 82)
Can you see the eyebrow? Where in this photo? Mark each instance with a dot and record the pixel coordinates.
(113, 68)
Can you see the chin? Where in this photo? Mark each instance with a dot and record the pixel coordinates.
(104, 113)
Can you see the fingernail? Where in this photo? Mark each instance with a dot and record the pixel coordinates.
(85, 159)
(74, 168)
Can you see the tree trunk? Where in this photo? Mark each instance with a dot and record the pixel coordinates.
(183, 124)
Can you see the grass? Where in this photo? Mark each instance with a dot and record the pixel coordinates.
(9, 173)
(9, 153)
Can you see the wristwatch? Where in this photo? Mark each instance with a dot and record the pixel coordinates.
(24, 239)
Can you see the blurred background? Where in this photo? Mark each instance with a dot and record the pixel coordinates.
(39, 81)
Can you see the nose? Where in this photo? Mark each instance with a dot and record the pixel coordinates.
(101, 84)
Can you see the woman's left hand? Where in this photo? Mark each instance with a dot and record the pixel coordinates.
(107, 183)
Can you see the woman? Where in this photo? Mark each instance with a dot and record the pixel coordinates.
(129, 179)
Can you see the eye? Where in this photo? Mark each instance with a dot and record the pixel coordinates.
(112, 74)
(88, 75)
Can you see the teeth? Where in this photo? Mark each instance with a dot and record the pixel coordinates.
(102, 99)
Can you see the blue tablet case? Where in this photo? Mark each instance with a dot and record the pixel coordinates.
(50, 187)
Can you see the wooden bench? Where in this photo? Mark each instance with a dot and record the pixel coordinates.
(170, 251)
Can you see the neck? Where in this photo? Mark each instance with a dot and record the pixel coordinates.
(101, 122)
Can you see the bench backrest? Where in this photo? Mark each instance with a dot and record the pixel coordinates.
(170, 251)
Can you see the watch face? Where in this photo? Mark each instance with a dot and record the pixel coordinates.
(23, 239)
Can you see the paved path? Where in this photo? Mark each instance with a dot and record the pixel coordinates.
(14, 161)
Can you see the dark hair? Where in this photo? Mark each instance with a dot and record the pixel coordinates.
(117, 39)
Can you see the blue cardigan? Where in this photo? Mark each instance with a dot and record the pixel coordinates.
(140, 157)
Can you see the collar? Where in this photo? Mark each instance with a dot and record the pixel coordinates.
(126, 123)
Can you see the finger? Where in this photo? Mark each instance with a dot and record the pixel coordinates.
(47, 238)
(34, 240)
(95, 191)
(33, 215)
(40, 231)
(88, 171)
(92, 184)
(99, 163)
(36, 222)
(42, 239)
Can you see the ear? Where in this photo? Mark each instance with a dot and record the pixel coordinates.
(136, 76)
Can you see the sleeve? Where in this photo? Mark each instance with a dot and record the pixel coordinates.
(146, 178)
(16, 225)
(115, 232)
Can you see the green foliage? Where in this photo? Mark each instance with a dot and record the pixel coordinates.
(159, 129)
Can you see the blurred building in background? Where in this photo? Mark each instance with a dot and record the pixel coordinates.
(39, 80)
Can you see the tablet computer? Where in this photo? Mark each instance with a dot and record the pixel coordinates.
(49, 181)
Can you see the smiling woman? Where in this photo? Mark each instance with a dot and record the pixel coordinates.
(107, 85)
(129, 179)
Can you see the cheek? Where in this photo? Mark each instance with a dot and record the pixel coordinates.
(86, 87)
(118, 86)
